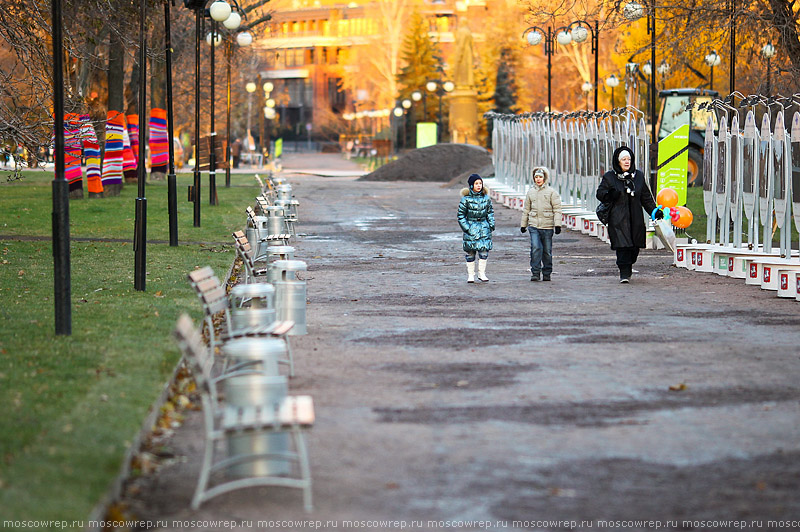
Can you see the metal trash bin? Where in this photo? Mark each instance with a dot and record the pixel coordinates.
(260, 354)
(289, 213)
(290, 293)
(252, 305)
(257, 228)
(276, 224)
(284, 192)
(264, 391)
(277, 253)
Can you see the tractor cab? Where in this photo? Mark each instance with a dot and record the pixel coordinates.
(673, 115)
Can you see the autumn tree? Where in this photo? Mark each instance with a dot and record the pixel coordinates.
(422, 61)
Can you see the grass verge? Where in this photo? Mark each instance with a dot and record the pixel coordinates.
(74, 403)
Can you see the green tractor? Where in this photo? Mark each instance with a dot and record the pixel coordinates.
(674, 113)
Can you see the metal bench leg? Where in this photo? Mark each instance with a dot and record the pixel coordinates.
(305, 468)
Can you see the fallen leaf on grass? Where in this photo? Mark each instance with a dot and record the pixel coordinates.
(678, 387)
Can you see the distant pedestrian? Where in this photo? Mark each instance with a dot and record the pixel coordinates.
(626, 189)
(236, 152)
(476, 218)
(541, 217)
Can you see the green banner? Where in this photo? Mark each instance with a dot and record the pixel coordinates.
(426, 134)
(278, 148)
(673, 159)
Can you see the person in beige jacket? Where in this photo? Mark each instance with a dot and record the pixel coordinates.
(541, 217)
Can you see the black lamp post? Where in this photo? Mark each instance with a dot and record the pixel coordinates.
(61, 250)
(712, 59)
(243, 39)
(612, 81)
(768, 51)
(172, 192)
(439, 87)
(140, 231)
(535, 35)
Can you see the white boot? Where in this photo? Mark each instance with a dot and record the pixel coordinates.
(471, 272)
(482, 270)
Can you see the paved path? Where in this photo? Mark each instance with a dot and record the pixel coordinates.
(517, 402)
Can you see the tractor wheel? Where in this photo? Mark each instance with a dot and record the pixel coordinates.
(694, 169)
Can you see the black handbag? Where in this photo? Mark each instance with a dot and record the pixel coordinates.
(603, 211)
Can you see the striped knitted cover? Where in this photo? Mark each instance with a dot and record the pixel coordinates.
(91, 149)
(159, 147)
(128, 160)
(133, 134)
(112, 162)
(72, 151)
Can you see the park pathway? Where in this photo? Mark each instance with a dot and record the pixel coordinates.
(674, 398)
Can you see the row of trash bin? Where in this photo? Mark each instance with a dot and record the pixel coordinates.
(280, 295)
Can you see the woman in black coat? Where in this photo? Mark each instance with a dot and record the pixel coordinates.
(626, 188)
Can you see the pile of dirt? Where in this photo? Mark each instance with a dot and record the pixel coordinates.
(442, 162)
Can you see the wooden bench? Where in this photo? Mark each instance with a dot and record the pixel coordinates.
(287, 414)
(215, 300)
(267, 188)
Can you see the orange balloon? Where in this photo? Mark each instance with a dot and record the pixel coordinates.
(685, 218)
(667, 197)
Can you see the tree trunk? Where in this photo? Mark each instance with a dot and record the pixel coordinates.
(116, 74)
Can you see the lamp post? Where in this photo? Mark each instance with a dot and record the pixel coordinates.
(243, 39)
(172, 186)
(61, 248)
(269, 103)
(712, 59)
(406, 103)
(768, 51)
(578, 31)
(439, 87)
(198, 6)
(140, 220)
(634, 11)
(663, 69)
(536, 35)
(612, 81)
(250, 88)
(586, 88)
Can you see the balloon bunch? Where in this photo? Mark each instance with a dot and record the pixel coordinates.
(667, 199)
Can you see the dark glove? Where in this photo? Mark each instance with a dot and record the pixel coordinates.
(659, 214)
(613, 194)
(558, 229)
(523, 229)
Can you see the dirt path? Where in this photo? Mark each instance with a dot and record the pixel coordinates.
(517, 401)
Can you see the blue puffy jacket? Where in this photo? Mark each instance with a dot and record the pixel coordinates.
(476, 218)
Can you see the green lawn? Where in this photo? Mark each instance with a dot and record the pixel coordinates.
(74, 403)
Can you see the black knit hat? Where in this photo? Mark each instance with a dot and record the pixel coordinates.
(472, 179)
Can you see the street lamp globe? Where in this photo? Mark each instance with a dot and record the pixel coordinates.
(398, 112)
(713, 59)
(250, 87)
(580, 34)
(768, 51)
(449, 86)
(633, 11)
(647, 68)
(564, 38)
(269, 113)
(535, 37)
(215, 37)
(663, 67)
(431, 86)
(406, 104)
(271, 103)
(612, 81)
(233, 21)
(586, 87)
(220, 10)
(416, 96)
(268, 87)
(244, 39)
